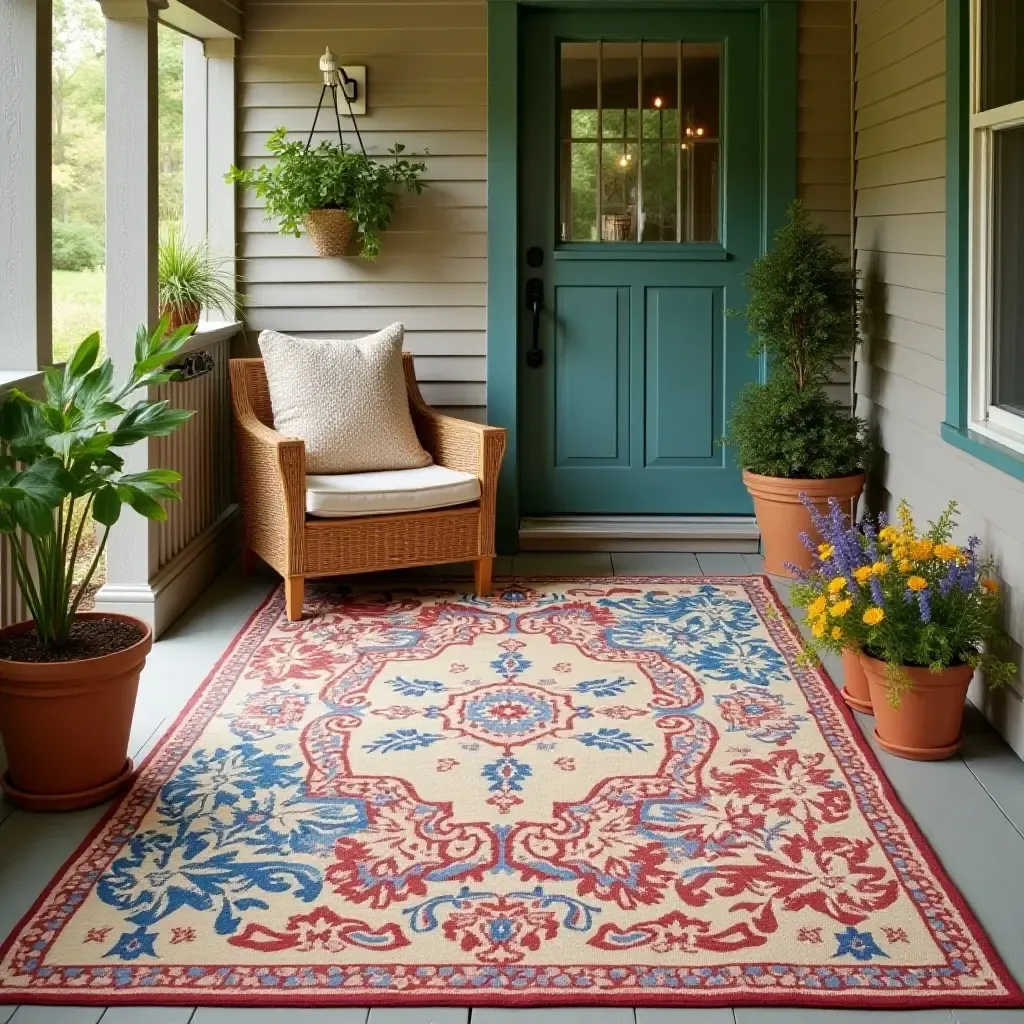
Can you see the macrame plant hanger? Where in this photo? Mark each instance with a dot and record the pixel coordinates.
(335, 78)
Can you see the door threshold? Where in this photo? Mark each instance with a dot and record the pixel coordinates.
(640, 533)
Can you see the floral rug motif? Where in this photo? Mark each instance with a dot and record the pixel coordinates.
(609, 791)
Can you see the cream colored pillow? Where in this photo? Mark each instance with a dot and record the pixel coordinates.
(345, 399)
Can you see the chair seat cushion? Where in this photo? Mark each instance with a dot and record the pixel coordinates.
(402, 490)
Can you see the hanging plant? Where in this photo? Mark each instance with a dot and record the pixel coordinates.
(331, 190)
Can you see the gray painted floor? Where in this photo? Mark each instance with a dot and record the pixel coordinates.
(971, 808)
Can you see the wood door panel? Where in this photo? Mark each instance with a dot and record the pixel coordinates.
(591, 344)
(683, 374)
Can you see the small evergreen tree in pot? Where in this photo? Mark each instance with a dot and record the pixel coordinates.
(791, 437)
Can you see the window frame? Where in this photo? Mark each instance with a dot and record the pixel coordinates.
(983, 417)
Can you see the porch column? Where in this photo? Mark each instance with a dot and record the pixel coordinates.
(209, 131)
(25, 186)
(132, 233)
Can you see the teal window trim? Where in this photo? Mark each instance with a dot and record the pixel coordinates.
(779, 144)
(956, 428)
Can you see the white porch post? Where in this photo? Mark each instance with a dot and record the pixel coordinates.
(132, 229)
(209, 130)
(25, 185)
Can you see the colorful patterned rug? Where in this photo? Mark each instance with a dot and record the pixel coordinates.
(614, 791)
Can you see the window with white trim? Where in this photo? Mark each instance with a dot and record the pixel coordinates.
(997, 216)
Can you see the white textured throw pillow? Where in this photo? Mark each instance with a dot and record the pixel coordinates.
(345, 399)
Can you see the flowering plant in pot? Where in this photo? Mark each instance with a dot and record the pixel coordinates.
(791, 437)
(924, 613)
(68, 679)
(330, 190)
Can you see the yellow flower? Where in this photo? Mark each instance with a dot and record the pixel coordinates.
(946, 552)
(873, 616)
(917, 583)
(991, 585)
(816, 608)
(922, 549)
(864, 573)
(836, 632)
(839, 609)
(888, 533)
(839, 583)
(818, 629)
(825, 551)
(880, 568)
(899, 551)
(906, 565)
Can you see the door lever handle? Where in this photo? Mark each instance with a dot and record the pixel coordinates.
(534, 303)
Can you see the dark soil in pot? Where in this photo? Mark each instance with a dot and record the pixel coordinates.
(87, 640)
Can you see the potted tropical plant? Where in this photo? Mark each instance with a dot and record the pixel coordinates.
(68, 678)
(924, 613)
(792, 438)
(191, 278)
(331, 190)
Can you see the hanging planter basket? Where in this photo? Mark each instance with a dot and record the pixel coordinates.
(330, 231)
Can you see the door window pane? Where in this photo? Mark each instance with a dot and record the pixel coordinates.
(640, 147)
(578, 126)
(1008, 279)
(1002, 53)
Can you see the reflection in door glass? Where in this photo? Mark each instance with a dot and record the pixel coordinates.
(639, 125)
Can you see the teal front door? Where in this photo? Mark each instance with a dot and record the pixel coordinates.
(640, 210)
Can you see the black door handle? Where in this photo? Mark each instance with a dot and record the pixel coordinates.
(534, 303)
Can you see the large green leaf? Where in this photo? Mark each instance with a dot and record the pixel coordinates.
(106, 508)
(143, 503)
(35, 517)
(148, 419)
(84, 357)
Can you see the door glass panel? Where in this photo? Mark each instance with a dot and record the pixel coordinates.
(640, 147)
(578, 126)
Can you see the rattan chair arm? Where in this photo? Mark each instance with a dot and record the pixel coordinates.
(272, 481)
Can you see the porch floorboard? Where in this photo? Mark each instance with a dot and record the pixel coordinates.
(971, 808)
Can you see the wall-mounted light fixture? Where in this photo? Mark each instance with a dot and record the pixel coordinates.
(351, 81)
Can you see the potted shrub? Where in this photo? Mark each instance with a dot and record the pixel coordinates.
(792, 439)
(191, 278)
(924, 612)
(68, 678)
(331, 190)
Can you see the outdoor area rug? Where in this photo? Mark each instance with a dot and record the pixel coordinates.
(605, 791)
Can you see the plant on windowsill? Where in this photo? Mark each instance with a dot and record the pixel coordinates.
(792, 438)
(191, 278)
(920, 612)
(330, 190)
(68, 679)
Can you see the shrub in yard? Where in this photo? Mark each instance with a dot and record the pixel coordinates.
(76, 246)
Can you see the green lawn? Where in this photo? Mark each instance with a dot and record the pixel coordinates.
(78, 300)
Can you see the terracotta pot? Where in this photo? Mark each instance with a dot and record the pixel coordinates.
(330, 231)
(65, 724)
(926, 725)
(180, 317)
(782, 517)
(855, 683)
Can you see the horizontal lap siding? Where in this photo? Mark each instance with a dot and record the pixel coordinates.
(427, 73)
(427, 88)
(900, 248)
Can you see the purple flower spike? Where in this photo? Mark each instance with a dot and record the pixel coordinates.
(924, 602)
(798, 571)
(808, 543)
(876, 592)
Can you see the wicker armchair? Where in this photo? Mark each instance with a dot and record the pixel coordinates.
(272, 479)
